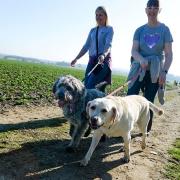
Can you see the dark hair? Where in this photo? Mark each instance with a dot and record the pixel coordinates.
(154, 3)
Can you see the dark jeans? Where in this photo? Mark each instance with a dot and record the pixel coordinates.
(93, 79)
(149, 91)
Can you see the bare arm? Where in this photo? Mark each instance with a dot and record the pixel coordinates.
(168, 56)
(168, 60)
(83, 50)
(137, 56)
(80, 54)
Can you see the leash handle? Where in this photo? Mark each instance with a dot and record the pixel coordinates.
(93, 68)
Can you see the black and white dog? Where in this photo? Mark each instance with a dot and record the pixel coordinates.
(73, 97)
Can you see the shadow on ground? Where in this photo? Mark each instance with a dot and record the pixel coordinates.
(52, 122)
(47, 159)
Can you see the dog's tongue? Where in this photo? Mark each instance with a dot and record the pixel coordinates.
(93, 125)
(60, 103)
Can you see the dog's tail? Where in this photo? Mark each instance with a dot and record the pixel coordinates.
(156, 109)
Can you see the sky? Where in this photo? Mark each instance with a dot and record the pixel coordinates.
(57, 29)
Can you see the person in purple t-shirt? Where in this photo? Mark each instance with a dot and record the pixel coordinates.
(98, 44)
(151, 49)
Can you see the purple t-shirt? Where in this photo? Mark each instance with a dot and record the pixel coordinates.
(152, 39)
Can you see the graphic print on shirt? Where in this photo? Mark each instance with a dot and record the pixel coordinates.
(151, 39)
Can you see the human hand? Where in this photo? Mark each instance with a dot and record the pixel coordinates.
(73, 62)
(144, 64)
(162, 78)
(101, 59)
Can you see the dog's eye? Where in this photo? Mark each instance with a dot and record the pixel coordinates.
(103, 110)
(68, 88)
(93, 107)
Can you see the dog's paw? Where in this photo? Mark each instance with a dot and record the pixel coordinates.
(83, 162)
(70, 149)
(125, 159)
(143, 145)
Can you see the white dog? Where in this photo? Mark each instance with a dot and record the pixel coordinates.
(115, 116)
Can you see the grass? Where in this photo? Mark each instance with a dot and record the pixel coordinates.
(23, 83)
(14, 136)
(30, 147)
(34, 145)
(173, 167)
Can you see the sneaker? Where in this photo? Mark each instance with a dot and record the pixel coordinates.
(161, 93)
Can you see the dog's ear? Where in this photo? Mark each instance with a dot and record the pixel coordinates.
(54, 86)
(114, 114)
(87, 109)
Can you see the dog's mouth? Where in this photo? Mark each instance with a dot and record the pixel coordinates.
(61, 103)
(94, 126)
(63, 100)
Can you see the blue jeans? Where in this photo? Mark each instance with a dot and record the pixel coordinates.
(149, 90)
(93, 79)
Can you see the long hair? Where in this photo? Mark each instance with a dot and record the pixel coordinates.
(102, 8)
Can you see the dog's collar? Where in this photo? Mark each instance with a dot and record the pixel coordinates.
(109, 127)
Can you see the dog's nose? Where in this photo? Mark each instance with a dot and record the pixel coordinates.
(94, 119)
(61, 95)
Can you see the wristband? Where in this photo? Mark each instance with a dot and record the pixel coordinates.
(165, 71)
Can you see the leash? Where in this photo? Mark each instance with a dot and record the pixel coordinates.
(90, 72)
(118, 89)
(93, 68)
(121, 87)
(125, 84)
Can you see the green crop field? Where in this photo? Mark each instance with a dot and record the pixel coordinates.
(24, 83)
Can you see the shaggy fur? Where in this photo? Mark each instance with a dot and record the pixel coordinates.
(115, 116)
(72, 98)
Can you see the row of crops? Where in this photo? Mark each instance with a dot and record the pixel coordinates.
(24, 83)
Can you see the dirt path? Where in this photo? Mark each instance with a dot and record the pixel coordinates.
(106, 161)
